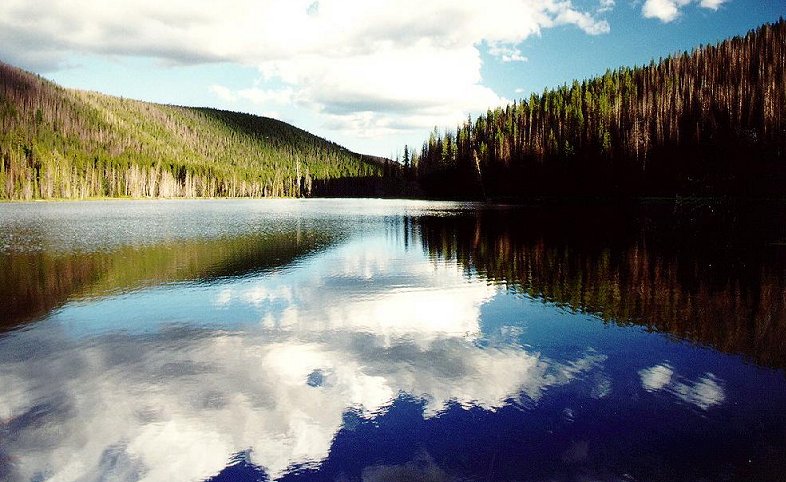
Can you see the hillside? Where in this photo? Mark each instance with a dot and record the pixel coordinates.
(63, 143)
(708, 122)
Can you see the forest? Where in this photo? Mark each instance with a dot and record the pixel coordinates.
(706, 122)
(702, 123)
(69, 144)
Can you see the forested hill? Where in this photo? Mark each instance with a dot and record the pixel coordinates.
(63, 143)
(706, 122)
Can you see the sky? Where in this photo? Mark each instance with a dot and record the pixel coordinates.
(372, 75)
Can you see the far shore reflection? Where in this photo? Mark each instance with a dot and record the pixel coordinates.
(713, 274)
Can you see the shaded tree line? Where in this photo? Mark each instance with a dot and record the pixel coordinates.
(710, 121)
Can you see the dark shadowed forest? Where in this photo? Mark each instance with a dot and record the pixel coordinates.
(705, 122)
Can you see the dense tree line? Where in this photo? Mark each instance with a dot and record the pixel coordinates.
(706, 122)
(62, 143)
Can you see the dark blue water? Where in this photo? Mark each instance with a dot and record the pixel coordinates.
(391, 340)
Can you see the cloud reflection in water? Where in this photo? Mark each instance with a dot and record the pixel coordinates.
(704, 393)
(351, 328)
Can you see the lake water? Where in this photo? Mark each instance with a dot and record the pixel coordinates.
(391, 340)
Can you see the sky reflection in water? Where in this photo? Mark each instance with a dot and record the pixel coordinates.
(294, 368)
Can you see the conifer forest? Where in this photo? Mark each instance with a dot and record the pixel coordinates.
(706, 122)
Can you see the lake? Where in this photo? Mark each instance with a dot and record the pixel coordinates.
(392, 340)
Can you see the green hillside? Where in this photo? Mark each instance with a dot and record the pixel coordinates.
(64, 143)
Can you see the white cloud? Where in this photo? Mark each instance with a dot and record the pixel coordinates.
(712, 4)
(506, 53)
(583, 20)
(398, 60)
(668, 10)
(664, 10)
(605, 6)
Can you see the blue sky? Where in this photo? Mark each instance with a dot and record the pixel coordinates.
(371, 74)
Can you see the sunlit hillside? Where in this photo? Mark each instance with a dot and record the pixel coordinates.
(63, 143)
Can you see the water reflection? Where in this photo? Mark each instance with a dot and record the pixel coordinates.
(90, 401)
(425, 342)
(714, 274)
(703, 393)
(33, 284)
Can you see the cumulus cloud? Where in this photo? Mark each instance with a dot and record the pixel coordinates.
(396, 61)
(664, 10)
(668, 10)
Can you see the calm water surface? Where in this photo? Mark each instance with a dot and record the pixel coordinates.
(391, 340)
